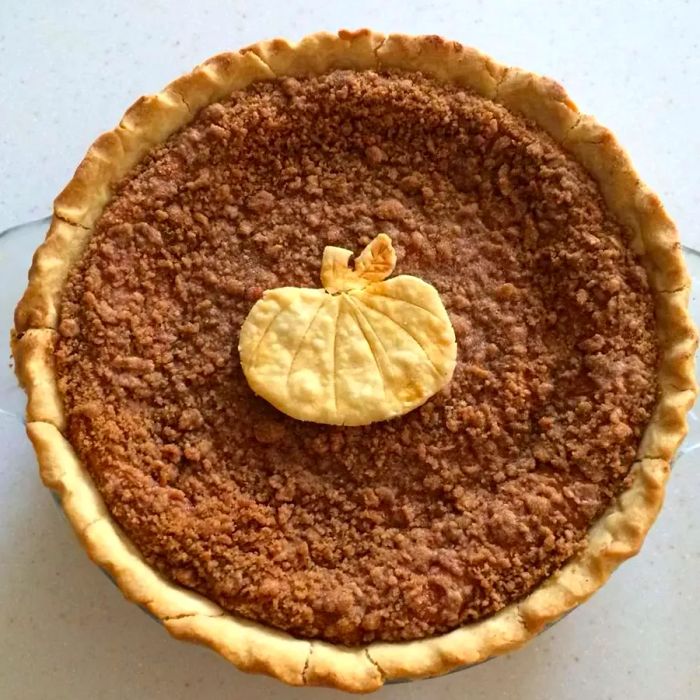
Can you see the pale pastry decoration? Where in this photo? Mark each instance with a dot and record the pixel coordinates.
(358, 351)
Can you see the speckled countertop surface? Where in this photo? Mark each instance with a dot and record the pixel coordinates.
(67, 71)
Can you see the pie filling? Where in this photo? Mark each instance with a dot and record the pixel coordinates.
(403, 528)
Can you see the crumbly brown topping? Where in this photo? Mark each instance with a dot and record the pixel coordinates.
(400, 529)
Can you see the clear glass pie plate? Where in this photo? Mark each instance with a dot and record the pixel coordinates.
(17, 245)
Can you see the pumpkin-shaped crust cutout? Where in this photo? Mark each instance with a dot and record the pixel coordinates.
(358, 351)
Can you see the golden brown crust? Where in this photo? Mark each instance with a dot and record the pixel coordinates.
(617, 535)
(218, 77)
(62, 247)
(348, 669)
(33, 353)
(540, 99)
(319, 53)
(656, 238)
(248, 645)
(446, 61)
(467, 645)
(677, 335)
(83, 198)
(62, 471)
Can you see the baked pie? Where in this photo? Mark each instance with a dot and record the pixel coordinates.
(394, 475)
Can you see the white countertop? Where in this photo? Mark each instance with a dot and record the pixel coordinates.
(68, 70)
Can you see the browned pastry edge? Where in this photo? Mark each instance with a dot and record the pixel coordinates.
(616, 536)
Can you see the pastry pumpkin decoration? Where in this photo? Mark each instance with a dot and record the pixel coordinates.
(360, 350)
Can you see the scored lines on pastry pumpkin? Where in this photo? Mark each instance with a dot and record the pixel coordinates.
(301, 342)
(402, 328)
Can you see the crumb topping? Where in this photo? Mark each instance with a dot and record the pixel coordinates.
(400, 529)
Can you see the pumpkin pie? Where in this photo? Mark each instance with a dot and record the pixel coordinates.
(326, 473)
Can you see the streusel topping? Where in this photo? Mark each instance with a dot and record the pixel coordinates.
(403, 528)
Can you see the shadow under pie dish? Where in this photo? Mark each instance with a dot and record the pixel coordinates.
(348, 555)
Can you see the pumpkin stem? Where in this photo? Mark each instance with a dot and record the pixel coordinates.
(378, 260)
(374, 264)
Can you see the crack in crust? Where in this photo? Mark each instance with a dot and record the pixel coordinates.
(304, 670)
(617, 535)
(375, 664)
(500, 82)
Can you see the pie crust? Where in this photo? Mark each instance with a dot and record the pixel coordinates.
(253, 647)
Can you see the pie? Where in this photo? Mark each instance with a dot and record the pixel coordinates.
(404, 534)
